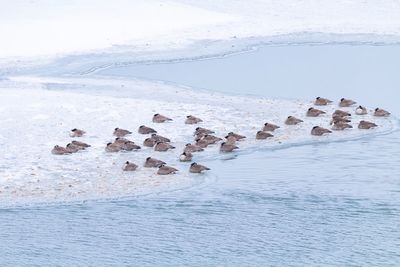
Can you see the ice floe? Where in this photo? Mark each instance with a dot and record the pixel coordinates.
(38, 113)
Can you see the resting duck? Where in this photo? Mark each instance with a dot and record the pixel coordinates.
(121, 132)
(186, 156)
(77, 133)
(320, 101)
(269, 127)
(381, 113)
(162, 147)
(313, 112)
(165, 170)
(261, 135)
(197, 168)
(225, 147)
(158, 118)
(192, 120)
(344, 103)
(292, 121)
(366, 125)
(360, 110)
(318, 131)
(129, 167)
(153, 163)
(146, 130)
(58, 150)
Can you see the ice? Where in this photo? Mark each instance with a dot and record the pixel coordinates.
(38, 113)
(50, 30)
(42, 27)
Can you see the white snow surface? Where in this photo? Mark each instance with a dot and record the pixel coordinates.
(30, 28)
(38, 113)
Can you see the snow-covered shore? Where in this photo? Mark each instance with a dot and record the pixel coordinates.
(48, 29)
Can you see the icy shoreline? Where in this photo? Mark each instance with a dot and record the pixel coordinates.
(90, 62)
(71, 26)
(40, 113)
(73, 36)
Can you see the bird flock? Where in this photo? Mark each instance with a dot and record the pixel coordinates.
(204, 137)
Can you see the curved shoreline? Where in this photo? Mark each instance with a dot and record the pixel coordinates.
(90, 62)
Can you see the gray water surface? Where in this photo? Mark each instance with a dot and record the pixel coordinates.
(332, 204)
(369, 74)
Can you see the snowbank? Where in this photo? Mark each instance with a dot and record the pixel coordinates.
(43, 27)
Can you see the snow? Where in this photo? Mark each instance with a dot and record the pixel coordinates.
(269, 17)
(49, 28)
(44, 27)
(42, 111)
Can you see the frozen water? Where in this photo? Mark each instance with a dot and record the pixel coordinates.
(42, 111)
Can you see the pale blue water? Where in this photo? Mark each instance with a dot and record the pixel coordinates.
(366, 73)
(318, 205)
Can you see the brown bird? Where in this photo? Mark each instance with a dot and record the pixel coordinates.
(81, 144)
(346, 103)
(200, 135)
(269, 127)
(366, 125)
(161, 146)
(361, 110)
(58, 150)
(129, 146)
(160, 138)
(158, 118)
(261, 135)
(200, 130)
(165, 170)
(192, 120)
(202, 143)
(192, 148)
(238, 137)
(381, 113)
(211, 139)
(149, 142)
(197, 168)
(313, 112)
(129, 167)
(146, 130)
(230, 139)
(73, 148)
(339, 120)
(340, 126)
(318, 131)
(225, 147)
(153, 163)
(292, 121)
(121, 140)
(320, 101)
(186, 156)
(112, 147)
(121, 132)
(77, 133)
(340, 114)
